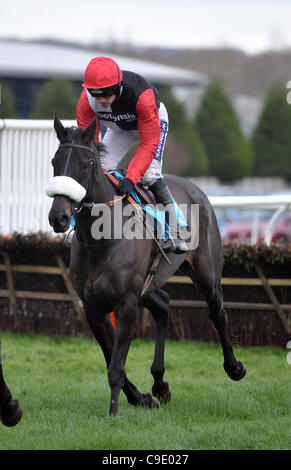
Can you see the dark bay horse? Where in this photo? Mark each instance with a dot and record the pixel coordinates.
(10, 410)
(109, 274)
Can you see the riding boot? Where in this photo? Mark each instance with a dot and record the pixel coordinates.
(163, 196)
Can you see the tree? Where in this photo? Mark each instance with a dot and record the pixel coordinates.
(55, 96)
(8, 109)
(271, 138)
(185, 137)
(229, 152)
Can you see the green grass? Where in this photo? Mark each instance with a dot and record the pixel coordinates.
(63, 389)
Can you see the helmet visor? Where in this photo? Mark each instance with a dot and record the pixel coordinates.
(103, 92)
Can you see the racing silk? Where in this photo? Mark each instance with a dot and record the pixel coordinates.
(136, 108)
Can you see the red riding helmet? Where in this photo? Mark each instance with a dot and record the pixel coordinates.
(102, 72)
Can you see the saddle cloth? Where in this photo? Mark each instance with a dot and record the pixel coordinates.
(145, 197)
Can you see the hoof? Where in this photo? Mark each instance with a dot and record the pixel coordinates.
(162, 392)
(238, 373)
(148, 401)
(11, 414)
(155, 402)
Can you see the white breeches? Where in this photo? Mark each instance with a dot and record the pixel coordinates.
(118, 142)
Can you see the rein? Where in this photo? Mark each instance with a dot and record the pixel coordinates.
(116, 183)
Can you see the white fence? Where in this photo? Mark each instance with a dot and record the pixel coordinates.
(278, 203)
(26, 150)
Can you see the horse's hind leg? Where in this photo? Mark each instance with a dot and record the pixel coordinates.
(235, 369)
(207, 279)
(158, 304)
(10, 410)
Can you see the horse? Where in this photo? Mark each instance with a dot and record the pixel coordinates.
(10, 410)
(109, 274)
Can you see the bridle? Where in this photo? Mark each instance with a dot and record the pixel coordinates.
(78, 206)
(64, 185)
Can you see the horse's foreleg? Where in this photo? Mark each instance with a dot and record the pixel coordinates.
(103, 332)
(158, 304)
(116, 371)
(10, 410)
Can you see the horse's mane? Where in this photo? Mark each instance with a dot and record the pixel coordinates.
(102, 149)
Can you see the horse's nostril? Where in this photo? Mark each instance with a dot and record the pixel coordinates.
(64, 220)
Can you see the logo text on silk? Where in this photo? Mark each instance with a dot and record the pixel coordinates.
(117, 117)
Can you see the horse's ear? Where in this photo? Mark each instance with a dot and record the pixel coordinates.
(59, 128)
(90, 131)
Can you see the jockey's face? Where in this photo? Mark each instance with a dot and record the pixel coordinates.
(106, 101)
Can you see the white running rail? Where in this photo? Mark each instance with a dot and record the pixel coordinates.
(26, 150)
(279, 203)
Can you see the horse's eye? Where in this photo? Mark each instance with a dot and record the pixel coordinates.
(84, 166)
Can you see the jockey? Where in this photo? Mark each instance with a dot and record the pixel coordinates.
(129, 107)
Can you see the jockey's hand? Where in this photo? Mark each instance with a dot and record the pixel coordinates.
(125, 186)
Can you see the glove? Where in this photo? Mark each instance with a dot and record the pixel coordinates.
(125, 186)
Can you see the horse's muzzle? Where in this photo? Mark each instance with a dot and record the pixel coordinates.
(60, 214)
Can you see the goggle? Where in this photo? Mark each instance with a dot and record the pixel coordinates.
(103, 92)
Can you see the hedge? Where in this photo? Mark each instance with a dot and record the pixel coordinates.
(247, 327)
(40, 245)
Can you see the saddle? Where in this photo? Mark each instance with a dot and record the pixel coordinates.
(144, 200)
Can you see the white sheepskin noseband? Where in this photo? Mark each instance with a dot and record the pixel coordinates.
(66, 186)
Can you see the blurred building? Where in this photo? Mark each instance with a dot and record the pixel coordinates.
(26, 66)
